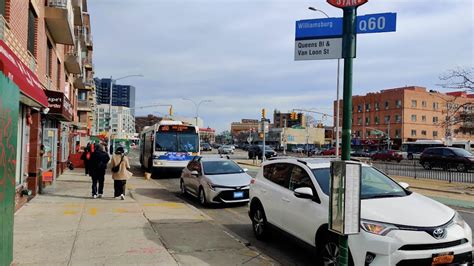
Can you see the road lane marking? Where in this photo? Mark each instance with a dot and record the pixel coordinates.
(70, 212)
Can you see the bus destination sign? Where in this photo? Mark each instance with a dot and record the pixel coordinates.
(176, 128)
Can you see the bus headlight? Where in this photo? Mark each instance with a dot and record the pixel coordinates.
(157, 163)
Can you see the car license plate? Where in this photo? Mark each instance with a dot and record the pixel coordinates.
(443, 258)
(238, 194)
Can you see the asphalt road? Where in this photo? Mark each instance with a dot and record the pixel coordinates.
(234, 217)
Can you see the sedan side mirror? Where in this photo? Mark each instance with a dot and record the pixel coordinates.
(404, 185)
(245, 170)
(194, 173)
(304, 193)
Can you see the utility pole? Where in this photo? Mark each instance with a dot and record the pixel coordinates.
(284, 137)
(264, 133)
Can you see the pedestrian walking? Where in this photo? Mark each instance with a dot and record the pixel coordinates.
(86, 156)
(97, 167)
(120, 173)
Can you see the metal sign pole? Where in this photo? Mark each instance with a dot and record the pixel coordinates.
(348, 53)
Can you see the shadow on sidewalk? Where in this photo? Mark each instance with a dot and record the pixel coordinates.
(156, 193)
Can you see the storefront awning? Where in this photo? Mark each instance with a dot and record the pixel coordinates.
(21, 75)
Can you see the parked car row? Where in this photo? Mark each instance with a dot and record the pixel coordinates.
(446, 157)
(397, 227)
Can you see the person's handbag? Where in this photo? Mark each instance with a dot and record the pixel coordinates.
(116, 168)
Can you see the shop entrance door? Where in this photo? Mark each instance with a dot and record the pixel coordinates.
(50, 157)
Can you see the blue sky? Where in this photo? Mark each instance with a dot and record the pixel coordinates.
(240, 53)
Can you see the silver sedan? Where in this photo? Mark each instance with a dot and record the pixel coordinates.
(215, 180)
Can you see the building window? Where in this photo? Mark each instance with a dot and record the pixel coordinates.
(359, 108)
(387, 119)
(413, 103)
(397, 119)
(32, 30)
(377, 120)
(413, 118)
(376, 106)
(413, 132)
(367, 120)
(423, 118)
(82, 96)
(367, 107)
(435, 134)
(397, 133)
(58, 77)
(435, 119)
(423, 104)
(386, 104)
(49, 59)
(359, 120)
(435, 106)
(423, 132)
(398, 103)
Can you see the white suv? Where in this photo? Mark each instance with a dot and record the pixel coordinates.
(398, 227)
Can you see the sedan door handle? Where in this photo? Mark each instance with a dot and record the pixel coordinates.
(285, 199)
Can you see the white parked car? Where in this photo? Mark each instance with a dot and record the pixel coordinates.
(398, 227)
(215, 180)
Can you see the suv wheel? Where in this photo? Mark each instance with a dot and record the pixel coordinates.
(259, 222)
(202, 197)
(461, 167)
(426, 165)
(328, 250)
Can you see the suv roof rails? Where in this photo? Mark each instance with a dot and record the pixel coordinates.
(281, 157)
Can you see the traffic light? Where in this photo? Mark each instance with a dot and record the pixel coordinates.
(263, 113)
(171, 111)
(293, 116)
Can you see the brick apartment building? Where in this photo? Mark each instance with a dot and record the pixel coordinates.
(406, 114)
(280, 118)
(245, 125)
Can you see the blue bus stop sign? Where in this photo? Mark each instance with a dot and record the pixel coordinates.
(332, 27)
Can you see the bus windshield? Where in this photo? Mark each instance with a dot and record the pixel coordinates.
(177, 142)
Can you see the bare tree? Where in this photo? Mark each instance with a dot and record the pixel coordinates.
(458, 115)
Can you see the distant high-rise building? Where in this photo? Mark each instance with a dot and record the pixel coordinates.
(122, 95)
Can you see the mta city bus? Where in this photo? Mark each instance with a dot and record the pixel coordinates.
(168, 145)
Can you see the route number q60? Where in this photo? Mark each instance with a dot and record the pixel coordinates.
(372, 24)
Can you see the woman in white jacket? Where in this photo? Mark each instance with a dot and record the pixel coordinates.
(120, 173)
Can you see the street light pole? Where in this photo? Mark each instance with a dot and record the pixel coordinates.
(197, 105)
(337, 90)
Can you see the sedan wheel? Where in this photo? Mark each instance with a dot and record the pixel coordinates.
(461, 167)
(427, 165)
(259, 223)
(202, 197)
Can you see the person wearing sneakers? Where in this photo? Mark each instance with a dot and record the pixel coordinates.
(97, 166)
(120, 173)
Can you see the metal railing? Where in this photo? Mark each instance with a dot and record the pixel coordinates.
(414, 169)
(58, 3)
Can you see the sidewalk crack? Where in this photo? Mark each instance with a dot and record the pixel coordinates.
(76, 235)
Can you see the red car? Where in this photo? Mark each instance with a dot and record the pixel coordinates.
(387, 155)
(330, 151)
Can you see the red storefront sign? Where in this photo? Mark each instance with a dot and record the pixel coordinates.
(21, 75)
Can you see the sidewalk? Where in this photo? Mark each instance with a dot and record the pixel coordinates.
(151, 226)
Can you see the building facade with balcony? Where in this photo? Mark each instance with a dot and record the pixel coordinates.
(39, 63)
(406, 114)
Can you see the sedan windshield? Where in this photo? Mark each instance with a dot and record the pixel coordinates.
(374, 183)
(221, 167)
